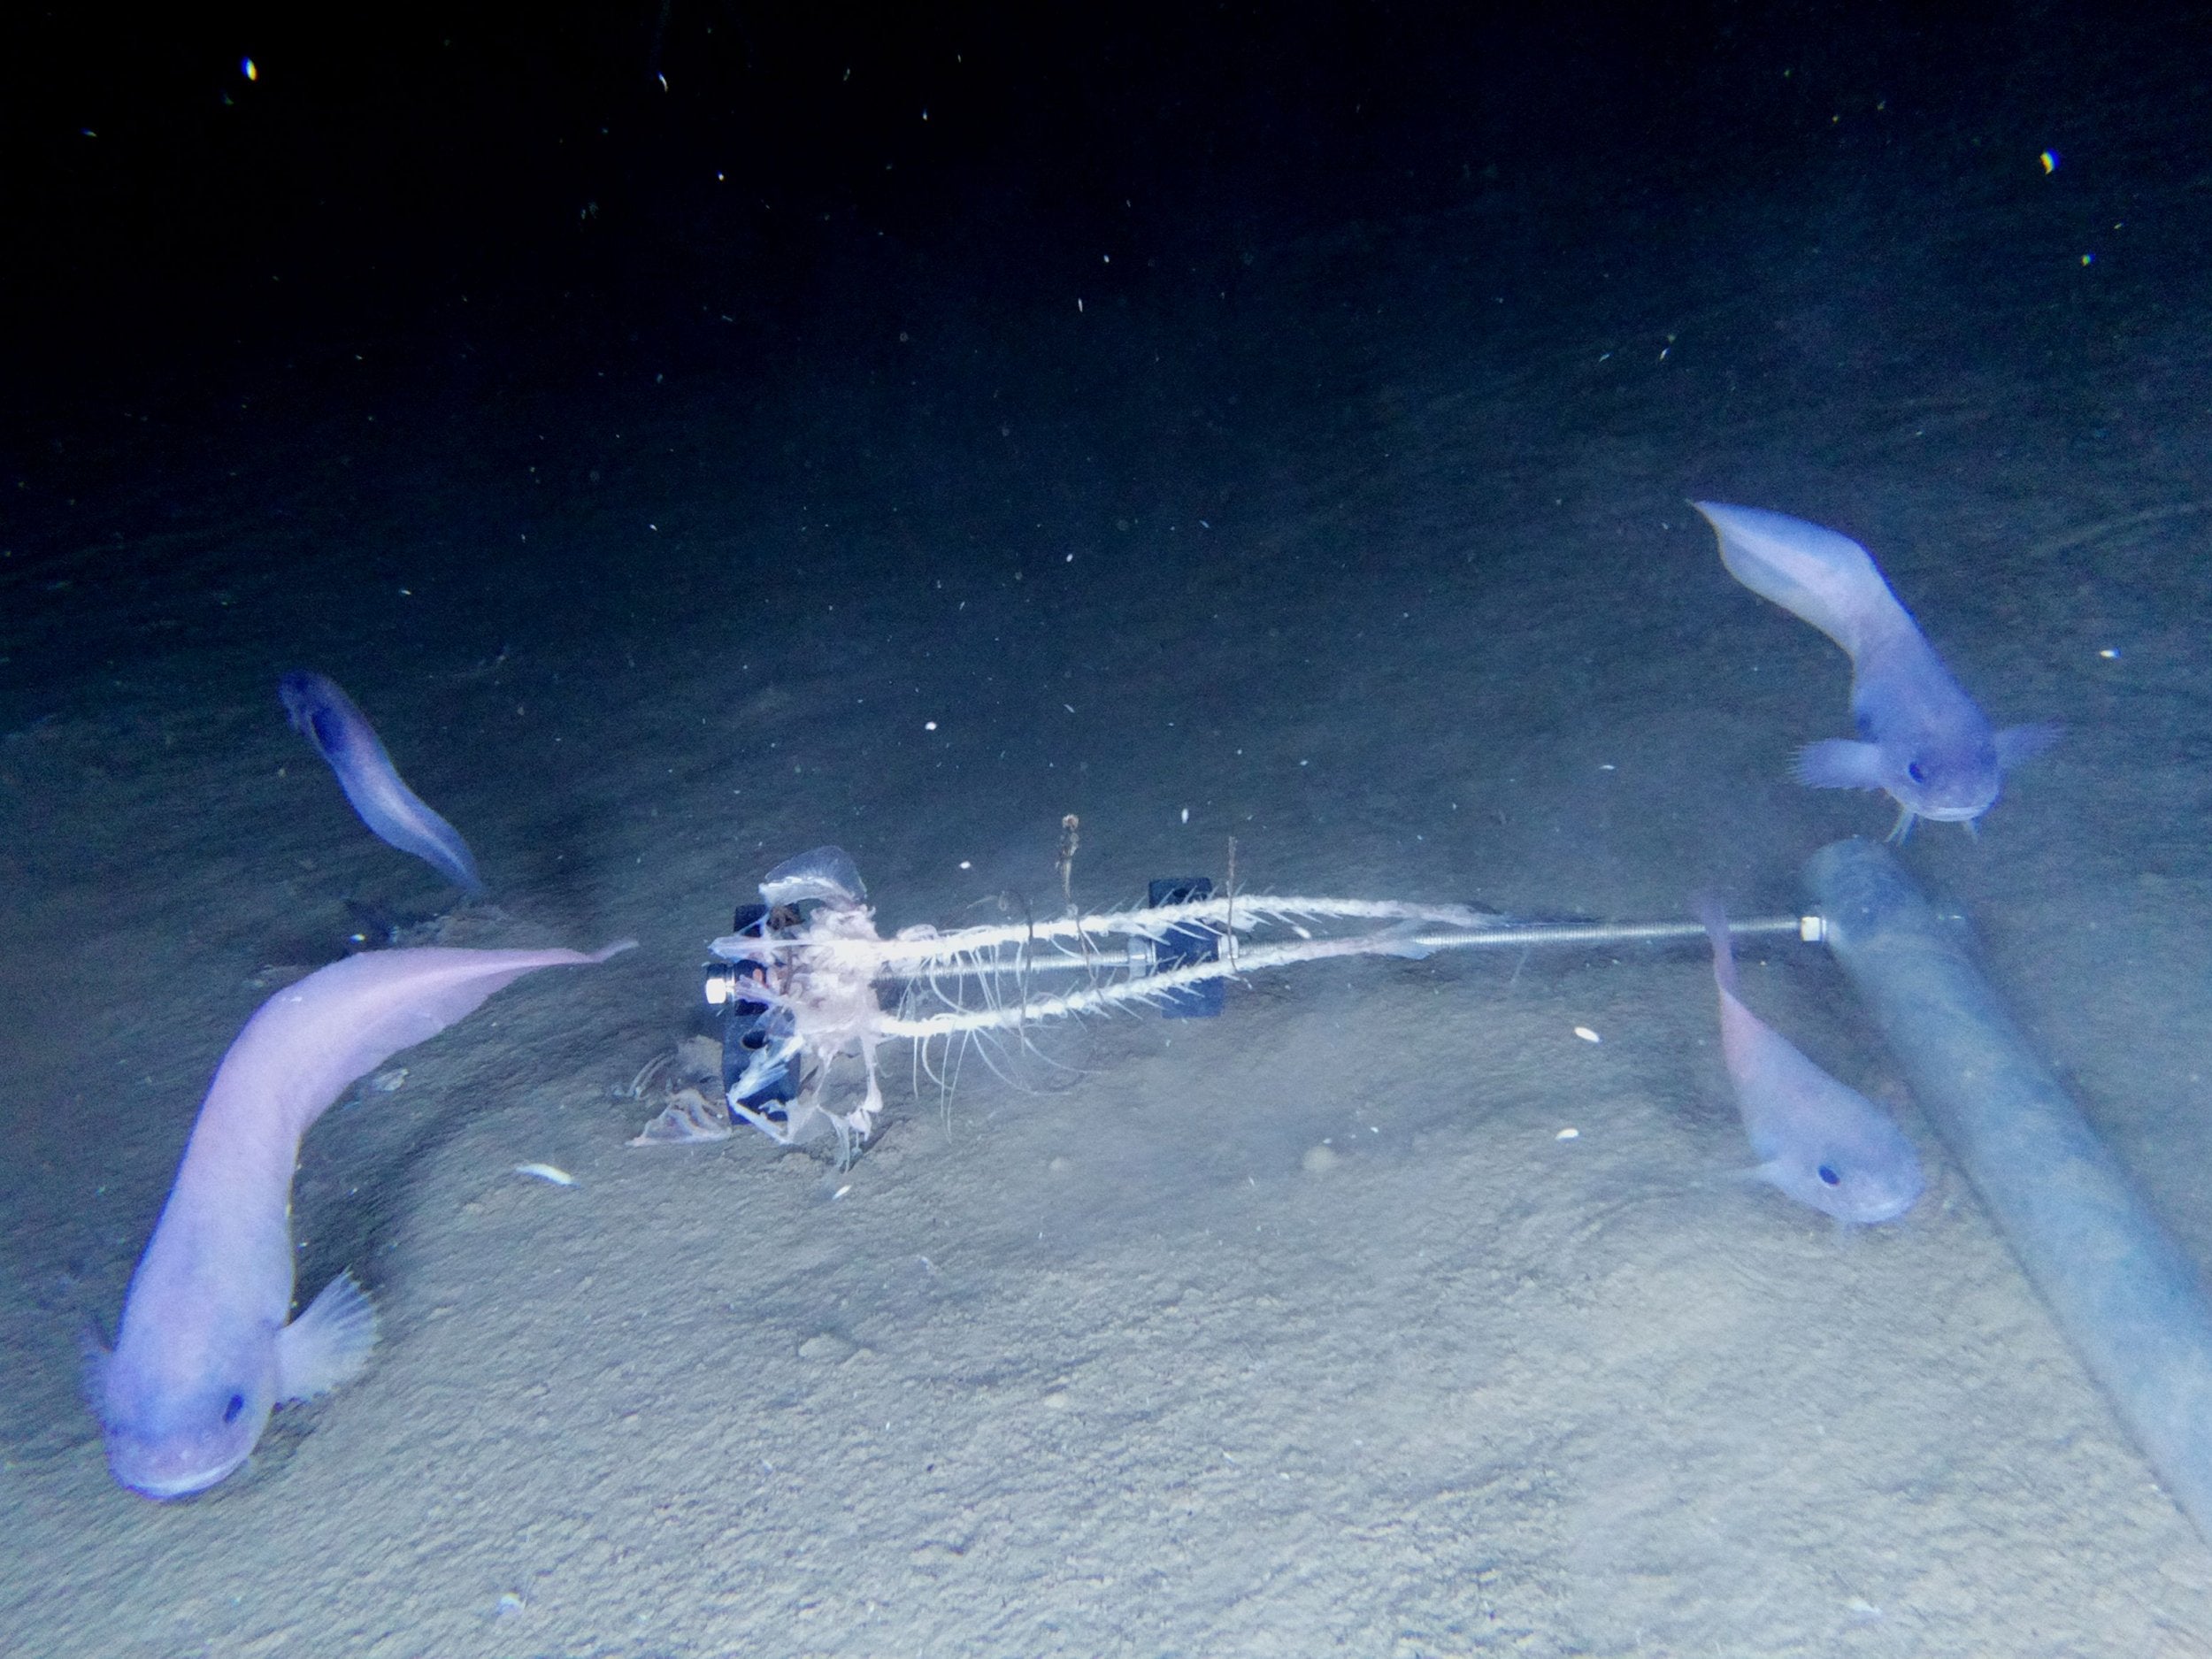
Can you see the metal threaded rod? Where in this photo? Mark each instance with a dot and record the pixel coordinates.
(1810, 929)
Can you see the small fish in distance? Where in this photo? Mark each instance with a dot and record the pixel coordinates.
(207, 1346)
(342, 735)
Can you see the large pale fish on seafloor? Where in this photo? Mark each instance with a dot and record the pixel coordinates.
(207, 1346)
(1823, 1143)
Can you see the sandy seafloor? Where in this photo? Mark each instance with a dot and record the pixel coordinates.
(1365, 547)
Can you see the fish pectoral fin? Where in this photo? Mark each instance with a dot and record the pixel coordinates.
(1838, 763)
(2017, 743)
(92, 1365)
(328, 1344)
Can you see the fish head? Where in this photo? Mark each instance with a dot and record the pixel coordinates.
(1858, 1183)
(313, 714)
(1926, 742)
(1952, 777)
(297, 692)
(175, 1425)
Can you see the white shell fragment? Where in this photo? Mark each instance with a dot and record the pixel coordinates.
(1587, 1035)
(547, 1173)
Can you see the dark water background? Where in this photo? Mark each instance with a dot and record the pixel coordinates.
(1215, 424)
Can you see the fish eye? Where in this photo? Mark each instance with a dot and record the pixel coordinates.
(1914, 770)
(1828, 1175)
(238, 1402)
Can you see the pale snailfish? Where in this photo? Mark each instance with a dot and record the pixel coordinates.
(1921, 737)
(1822, 1143)
(342, 734)
(204, 1354)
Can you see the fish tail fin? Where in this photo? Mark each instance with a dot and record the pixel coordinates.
(2017, 743)
(1810, 572)
(1709, 912)
(464, 874)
